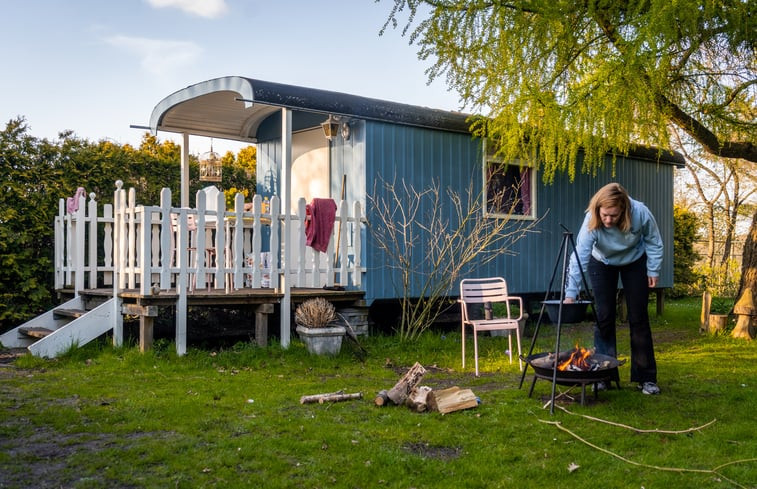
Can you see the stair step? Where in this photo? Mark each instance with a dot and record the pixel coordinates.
(69, 313)
(35, 332)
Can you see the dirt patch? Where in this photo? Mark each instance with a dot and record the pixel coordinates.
(43, 459)
(9, 355)
(426, 450)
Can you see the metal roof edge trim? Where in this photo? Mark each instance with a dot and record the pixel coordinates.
(236, 84)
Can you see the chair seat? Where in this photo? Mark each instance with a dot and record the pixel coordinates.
(493, 324)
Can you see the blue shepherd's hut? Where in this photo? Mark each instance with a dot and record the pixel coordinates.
(317, 143)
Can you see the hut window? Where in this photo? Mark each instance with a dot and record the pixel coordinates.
(509, 189)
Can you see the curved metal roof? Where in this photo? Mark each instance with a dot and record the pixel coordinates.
(234, 107)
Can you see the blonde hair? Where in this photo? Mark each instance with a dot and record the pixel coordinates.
(611, 195)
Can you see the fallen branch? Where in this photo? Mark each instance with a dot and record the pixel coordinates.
(649, 466)
(639, 430)
(330, 397)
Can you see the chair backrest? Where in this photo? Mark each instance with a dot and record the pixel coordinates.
(479, 290)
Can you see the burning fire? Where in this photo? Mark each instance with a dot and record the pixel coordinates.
(577, 360)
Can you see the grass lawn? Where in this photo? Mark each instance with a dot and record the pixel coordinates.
(229, 418)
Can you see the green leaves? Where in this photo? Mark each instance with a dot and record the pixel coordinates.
(560, 77)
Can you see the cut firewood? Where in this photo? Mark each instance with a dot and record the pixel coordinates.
(452, 399)
(382, 399)
(330, 397)
(402, 389)
(418, 399)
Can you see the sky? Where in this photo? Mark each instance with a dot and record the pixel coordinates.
(98, 67)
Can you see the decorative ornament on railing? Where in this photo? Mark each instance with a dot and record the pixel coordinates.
(210, 166)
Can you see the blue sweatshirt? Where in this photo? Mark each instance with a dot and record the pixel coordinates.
(614, 247)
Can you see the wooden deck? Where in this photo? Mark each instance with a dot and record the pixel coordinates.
(264, 302)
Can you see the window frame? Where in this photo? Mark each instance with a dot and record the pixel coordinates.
(490, 158)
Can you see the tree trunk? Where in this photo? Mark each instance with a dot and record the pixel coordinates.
(745, 326)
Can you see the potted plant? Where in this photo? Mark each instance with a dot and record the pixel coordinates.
(314, 319)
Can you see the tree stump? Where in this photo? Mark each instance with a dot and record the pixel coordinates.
(717, 323)
(746, 312)
(704, 319)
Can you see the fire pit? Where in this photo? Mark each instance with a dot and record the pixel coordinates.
(575, 367)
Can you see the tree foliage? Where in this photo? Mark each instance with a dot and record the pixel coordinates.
(556, 77)
(685, 234)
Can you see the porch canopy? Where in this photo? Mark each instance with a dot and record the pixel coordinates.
(234, 108)
(237, 108)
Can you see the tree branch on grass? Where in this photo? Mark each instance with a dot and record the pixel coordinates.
(713, 471)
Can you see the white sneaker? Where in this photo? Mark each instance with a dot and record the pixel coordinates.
(599, 386)
(649, 388)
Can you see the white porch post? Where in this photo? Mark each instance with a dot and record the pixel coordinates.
(286, 165)
(184, 170)
(117, 320)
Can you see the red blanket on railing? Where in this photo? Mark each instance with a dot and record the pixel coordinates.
(319, 223)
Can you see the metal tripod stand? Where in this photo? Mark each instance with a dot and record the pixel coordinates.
(567, 247)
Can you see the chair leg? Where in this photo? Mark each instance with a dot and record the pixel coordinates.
(475, 348)
(520, 361)
(462, 340)
(510, 345)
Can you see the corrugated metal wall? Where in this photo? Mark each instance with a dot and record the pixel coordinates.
(421, 155)
(380, 150)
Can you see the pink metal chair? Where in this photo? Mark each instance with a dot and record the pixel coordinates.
(490, 290)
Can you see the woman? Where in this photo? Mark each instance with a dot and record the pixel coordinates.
(619, 238)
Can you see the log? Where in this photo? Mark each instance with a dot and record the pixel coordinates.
(717, 323)
(704, 319)
(452, 399)
(330, 397)
(381, 399)
(402, 389)
(418, 399)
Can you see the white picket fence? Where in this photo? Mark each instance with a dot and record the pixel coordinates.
(149, 248)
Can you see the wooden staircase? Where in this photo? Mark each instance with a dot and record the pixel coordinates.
(74, 323)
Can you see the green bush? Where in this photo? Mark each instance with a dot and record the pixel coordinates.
(685, 278)
(36, 173)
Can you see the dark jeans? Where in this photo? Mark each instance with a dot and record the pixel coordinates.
(604, 284)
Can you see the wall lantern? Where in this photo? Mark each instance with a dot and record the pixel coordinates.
(210, 166)
(330, 128)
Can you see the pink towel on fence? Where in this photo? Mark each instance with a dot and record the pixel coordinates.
(319, 223)
(72, 203)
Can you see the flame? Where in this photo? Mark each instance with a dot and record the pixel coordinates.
(579, 359)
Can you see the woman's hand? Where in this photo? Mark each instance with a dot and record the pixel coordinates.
(652, 282)
(569, 300)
